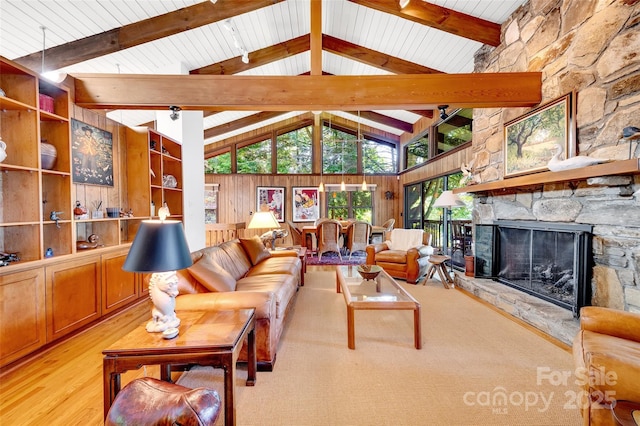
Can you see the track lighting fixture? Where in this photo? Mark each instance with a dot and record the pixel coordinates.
(175, 112)
(443, 111)
(230, 26)
(404, 3)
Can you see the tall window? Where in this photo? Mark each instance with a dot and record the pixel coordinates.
(379, 157)
(350, 204)
(339, 151)
(293, 151)
(416, 152)
(255, 158)
(220, 163)
(454, 131)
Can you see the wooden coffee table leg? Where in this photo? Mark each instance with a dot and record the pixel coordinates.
(417, 331)
(351, 333)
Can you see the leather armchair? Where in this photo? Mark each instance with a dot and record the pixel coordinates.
(408, 264)
(606, 352)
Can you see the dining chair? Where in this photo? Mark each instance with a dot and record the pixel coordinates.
(328, 234)
(358, 234)
(296, 234)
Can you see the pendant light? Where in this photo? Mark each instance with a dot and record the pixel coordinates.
(321, 186)
(343, 187)
(364, 181)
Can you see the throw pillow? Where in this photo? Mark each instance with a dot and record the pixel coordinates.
(212, 276)
(255, 249)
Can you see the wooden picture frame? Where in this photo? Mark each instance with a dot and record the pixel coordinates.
(91, 154)
(271, 198)
(529, 140)
(306, 204)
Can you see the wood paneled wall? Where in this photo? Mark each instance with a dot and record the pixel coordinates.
(237, 194)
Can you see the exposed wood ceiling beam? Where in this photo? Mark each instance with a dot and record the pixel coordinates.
(316, 37)
(134, 34)
(384, 119)
(372, 57)
(240, 123)
(257, 58)
(439, 17)
(428, 113)
(294, 93)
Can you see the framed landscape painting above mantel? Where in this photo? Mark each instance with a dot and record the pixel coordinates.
(529, 140)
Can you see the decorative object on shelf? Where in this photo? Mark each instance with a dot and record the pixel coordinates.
(92, 154)
(369, 272)
(79, 211)
(113, 211)
(46, 103)
(7, 258)
(163, 212)
(265, 220)
(3, 150)
(54, 215)
(271, 199)
(93, 241)
(160, 247)
(528, 139)
(97, 213)
(153, 209)
(468, 176)
(48, 253)
(123, 213)
(556, 164)
(629, 133)
(48, 155)
(169, 181)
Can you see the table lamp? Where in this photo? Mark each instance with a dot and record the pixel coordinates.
(265, 219)
(160, 247)
(448, 200)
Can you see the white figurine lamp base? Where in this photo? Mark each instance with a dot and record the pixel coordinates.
(163, 289)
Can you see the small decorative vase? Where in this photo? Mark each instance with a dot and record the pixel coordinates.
(3, 150)
(48, 155)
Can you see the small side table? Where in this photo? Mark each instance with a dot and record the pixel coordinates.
(437, 262)
(626, 413)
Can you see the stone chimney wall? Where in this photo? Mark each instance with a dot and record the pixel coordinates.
(591, 48)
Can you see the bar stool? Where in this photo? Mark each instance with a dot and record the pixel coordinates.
(437, 262)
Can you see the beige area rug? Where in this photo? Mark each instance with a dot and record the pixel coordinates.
(476, 367)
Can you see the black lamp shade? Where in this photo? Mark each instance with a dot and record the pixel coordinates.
(158, 247)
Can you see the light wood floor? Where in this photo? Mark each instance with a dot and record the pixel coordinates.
(64, 385)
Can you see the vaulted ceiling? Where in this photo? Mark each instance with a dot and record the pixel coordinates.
(291, 38)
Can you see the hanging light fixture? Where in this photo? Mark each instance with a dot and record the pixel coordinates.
(343, 187)
(364, 180)
(321, 186)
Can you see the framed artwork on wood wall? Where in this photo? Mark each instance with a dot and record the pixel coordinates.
(529, 140)
(271, 198)
(305, 204)
(92, 154)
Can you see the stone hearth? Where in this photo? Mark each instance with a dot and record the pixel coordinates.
(551, 319)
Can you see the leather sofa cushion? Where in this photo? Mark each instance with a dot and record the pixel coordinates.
(282, 286)
(211, 275)
(255, 249)
(231, 257)
(263, 302)
(392, 256)
(277, 265)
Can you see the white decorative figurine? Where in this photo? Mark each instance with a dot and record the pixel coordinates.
(556, 164)
(163, 289)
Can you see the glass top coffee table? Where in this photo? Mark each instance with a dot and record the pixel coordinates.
(381, 293)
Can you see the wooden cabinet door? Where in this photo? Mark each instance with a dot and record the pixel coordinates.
(22, 314)
(119, 287)
(73, 295)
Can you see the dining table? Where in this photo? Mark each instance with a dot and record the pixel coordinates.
(308, 231)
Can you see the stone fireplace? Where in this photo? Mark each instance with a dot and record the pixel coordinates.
(551, 261)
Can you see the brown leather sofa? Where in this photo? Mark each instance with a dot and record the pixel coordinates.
(243, 274)
(606, 352)
(409, 264)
